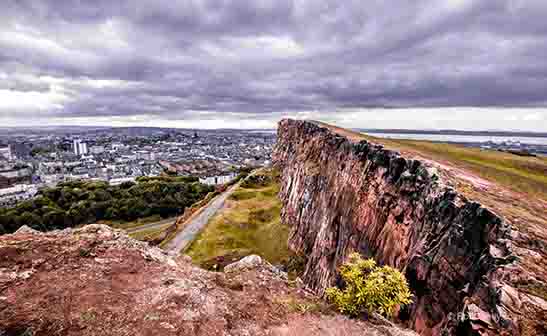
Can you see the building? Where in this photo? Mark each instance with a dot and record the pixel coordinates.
(80, 148)
(118, 181)
(219, 179)
(5, 152)
(96, 149)
(145, 155)
(17, 193)
(51, 180)
(16, 172)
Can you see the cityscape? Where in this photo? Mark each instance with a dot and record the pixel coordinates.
(33, 159)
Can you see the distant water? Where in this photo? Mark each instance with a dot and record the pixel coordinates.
(462, 138)
(268, 131)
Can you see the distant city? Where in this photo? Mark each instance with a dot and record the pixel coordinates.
(33, 159)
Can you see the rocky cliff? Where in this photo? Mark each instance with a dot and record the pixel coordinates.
(98, 281)
(342, 194)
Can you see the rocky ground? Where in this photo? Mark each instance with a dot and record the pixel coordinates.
(98, 281)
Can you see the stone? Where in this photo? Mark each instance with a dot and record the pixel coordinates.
(26, 230)
(249, 262)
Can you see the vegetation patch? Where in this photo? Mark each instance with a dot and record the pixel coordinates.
(243, 194)
(82, 202)
(369, 288)
(249, 223)
(149, 234)
(296, 305)
(535, 288)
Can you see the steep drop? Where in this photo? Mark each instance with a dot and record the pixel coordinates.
(342, 195)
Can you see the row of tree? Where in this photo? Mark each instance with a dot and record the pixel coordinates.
(80, 202)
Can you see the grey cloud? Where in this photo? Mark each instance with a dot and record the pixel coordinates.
(177, 59)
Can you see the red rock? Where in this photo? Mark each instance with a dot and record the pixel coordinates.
(342, 195)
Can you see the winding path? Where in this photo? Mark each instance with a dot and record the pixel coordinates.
(184, 238)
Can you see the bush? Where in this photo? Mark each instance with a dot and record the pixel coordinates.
(369, 288)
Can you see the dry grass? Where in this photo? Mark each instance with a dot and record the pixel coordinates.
(522, 174)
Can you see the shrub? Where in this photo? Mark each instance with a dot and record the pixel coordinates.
(369, 288)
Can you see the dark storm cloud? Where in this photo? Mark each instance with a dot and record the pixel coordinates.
(173, 58)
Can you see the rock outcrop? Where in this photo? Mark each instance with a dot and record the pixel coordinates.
(98, 281)
(341, 195)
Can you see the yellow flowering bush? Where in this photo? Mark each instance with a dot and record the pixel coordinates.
(369, 288)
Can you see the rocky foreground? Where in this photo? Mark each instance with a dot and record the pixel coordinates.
(98, 281)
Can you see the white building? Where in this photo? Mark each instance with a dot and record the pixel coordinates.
(118, 181)
(12, 195)
(15, 173)
(80, 148)
(216, 180)
(5, 152)
(96, 149)
(76, 177)
(51, 180)
(145, 155)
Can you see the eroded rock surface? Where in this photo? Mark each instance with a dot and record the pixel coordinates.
(98, 281)
(341, 195)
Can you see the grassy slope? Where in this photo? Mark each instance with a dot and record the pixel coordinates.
(249, 223)
(522, 174)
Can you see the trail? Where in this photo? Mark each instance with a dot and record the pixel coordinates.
(184, 238)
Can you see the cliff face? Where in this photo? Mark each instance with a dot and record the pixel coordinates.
(341, 196)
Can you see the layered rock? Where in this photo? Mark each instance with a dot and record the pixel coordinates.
(341, 195)
(98, 281)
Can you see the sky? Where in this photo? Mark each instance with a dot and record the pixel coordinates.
(465, 64)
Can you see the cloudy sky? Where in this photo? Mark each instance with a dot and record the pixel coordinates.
(378, 63)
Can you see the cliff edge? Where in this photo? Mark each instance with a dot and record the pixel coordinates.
(464, 263)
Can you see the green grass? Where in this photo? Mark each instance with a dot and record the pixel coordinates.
(150, 233)
(249, 224)
(119, 224)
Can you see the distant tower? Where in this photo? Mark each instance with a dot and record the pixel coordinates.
(77, 147)
(80, 148)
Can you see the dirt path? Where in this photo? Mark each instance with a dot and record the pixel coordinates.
(196, 224)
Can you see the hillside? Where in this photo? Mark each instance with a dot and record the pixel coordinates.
(98, 281)
(249, 223)
(467, 227)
